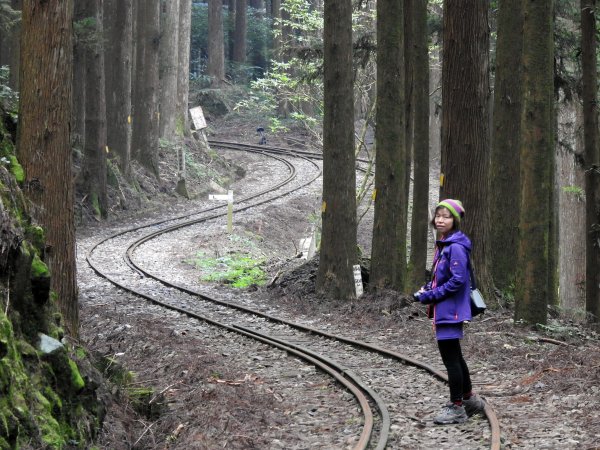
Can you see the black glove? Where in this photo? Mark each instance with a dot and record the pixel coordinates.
(416, 296)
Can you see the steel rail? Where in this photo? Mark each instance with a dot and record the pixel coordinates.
(205, 210)
(348, 380)
(355, 386)
(490, 415)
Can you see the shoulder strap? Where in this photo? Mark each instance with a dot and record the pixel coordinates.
(473, 281)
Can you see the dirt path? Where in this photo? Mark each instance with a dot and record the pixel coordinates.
(210, 384)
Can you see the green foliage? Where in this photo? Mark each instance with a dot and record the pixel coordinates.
(575, 191)
(305, 22)
(8, 16)
(86, 32)
(9, 99)
(236, 269)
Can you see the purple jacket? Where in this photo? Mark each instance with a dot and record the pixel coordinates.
(451, 295)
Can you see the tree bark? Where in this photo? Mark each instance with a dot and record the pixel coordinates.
(504, 166)
(388, 255)
(216, 50)
(168, 71)
(338, 243)
(420, 219)
(241, 28)
(94, 149)
(145, 86)
(118, 30)
(465, 112)
(44, 143)
(592, 157)
(537, 152)
(78, 88)
(183, 71)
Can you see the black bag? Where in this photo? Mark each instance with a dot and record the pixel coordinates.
(478, 305)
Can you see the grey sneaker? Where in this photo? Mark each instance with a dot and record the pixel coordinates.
(451, 413)
(475, 404)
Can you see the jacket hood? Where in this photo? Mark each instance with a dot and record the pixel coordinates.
(458, 237)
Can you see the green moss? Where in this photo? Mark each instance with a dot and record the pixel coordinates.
(16, 169)
(43, 401)
(179, 126)
(112, 173)
(96, 204)
(36, 235)
(25, 348)
(53, 397)
(25, 250)
(76, 379)
(51, 431)
(80, 353)
(237, 269)
(39, 268)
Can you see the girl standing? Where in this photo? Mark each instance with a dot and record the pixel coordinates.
(448, 297)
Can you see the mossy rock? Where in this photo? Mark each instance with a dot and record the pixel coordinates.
(16, 169)
(36, 235)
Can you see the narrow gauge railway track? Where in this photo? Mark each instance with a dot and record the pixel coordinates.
(294, 338)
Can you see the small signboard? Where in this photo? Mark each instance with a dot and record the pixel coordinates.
(198, 118)
(229, 198)
(357, 280)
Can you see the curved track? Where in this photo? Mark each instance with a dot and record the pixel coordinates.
(295, 338)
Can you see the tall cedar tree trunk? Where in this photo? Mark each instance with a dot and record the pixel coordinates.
(465, 123)
(231, 28)
(537, 152)
(239, 36)
(183, 71)
(145, 85)
(94, 149)
(44, 147)
(169, 45)
(338, 243)
(504, 167)
(78, 88)
(420, 222)
(216, 50)
(118, 44)
(592, 157)
(388, 255)
(408, 100)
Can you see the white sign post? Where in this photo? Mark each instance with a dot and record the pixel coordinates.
(199, 124)
(229, 198)
(357, 280)
(308, 246)
(198, 118)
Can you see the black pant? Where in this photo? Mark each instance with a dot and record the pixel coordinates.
(459, 378)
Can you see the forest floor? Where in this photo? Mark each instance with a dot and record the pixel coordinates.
(544, 382)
